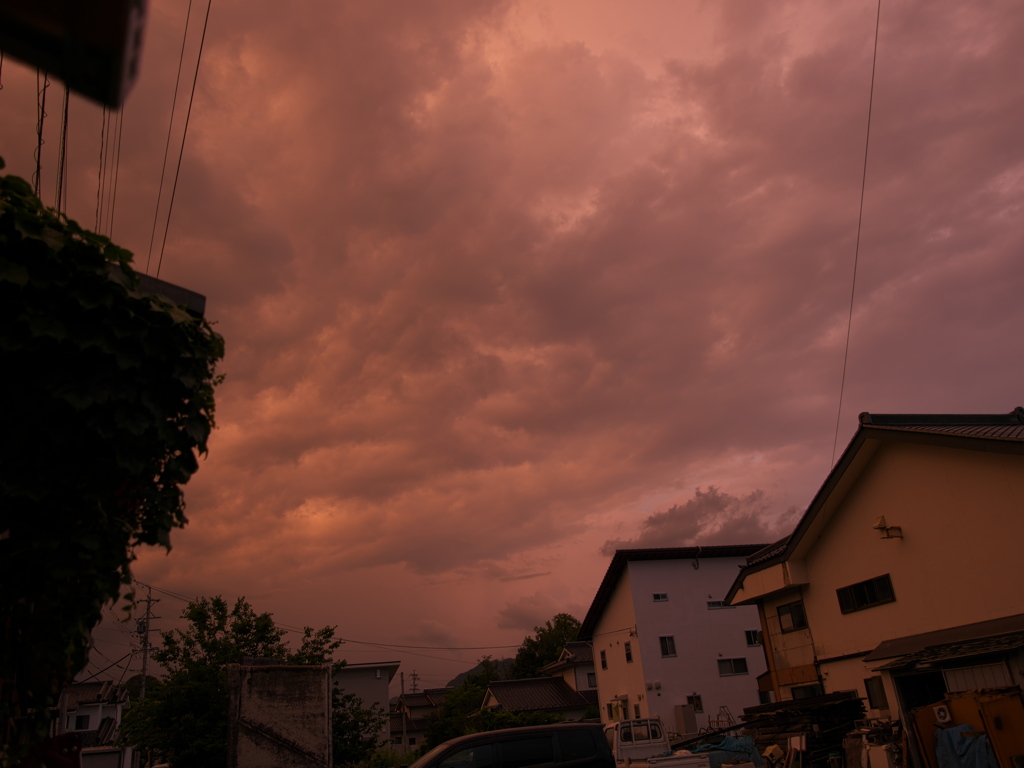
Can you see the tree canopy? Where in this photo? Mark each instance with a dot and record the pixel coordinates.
(108, 402)
(545, 646)
(185, 716)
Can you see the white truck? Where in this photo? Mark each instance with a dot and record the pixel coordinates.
(643, 743)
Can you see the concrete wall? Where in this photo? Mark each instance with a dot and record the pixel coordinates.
(702, 637)
(279, 716)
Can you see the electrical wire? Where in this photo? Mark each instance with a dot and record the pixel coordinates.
(860, 221)
(40, 117)
(62, 156)
(117, 170)
(184, 133)
(102, 168)
(167, 144)
(106, 668)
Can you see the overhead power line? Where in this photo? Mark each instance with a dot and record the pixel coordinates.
(860, 221)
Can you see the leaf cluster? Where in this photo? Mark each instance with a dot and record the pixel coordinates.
(545, 646)
(185, 716)
(107, 404)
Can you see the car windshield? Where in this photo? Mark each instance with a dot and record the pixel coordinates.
(430, 756)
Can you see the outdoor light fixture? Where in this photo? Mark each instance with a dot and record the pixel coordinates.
(887, 531)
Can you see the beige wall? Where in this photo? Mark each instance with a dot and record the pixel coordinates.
(613, 629)
(958, 560)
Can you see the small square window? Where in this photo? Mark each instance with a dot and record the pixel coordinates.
(82, 723)
(412, 741)
(661, 597)
(591, 680)
(604, 660)
(695, 702)
(792, 616)
(668, 645)
(728, 667)
(753, 636)
(629, 653)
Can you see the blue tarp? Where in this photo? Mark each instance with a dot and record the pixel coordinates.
(954, 750)
(731, 748)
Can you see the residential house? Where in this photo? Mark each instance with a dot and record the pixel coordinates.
(902, 580)
(665, 643)
(370, 682)
(92, 712)
(539, 694)
(410, 713)
(575, 665)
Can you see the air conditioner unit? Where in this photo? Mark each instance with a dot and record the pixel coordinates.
(942, 714)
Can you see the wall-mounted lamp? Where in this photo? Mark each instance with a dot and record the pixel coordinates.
(887, 531)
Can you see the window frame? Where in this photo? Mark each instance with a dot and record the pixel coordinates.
(660, 597)
(668, 646)
(752, 636)
(733, 665)
(875, 689)
(788, 609)
(696, 702)
(866, 594)
(604, 660)
(627, 647)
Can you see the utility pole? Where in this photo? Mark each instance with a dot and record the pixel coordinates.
(415, 682)
(142, 625)
(405, 734)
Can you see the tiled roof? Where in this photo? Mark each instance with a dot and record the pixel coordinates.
(582, 651)
(535, 694)
(963, 635)
(87, 693)
(623, 556)
(1001, 432)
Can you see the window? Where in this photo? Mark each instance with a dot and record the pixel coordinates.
(876, 693)
(591, 680)
(518, 753)
(668, 645)
(82, 723)
(636, 711)
(577, 744)
(732, 667)
(604, 660)
(412, 741)
(695, 702)
(806, 691)
(478, 756)
(866, 594)
(661, 597)
(753, 636)
(396, 740)
(629, 652)
(716, 604)
(792, 616)
(611, 712)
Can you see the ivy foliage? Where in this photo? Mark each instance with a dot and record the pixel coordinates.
(107, 402)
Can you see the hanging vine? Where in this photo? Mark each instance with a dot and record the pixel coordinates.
(107, 402)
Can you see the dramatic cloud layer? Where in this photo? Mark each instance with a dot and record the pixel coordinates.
(502, 283)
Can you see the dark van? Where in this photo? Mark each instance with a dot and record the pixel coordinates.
(563, 745)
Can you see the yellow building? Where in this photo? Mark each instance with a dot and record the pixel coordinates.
(904, 579)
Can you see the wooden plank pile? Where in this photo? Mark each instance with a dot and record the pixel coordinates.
(822, 722)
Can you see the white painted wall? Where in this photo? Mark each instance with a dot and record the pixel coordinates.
(702, 637)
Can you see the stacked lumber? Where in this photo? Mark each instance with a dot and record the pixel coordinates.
(822, 721)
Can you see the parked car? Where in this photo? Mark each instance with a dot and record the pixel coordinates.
(563, 745)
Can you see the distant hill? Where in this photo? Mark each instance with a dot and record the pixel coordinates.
(503, 667)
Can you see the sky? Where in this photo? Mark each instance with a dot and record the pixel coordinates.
(507, 284)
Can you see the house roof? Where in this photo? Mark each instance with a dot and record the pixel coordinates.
(573, 654)
(390, 666)
(1004, 633)
(623, 557)
(1001, 433)
(534, 694)
(88, 693)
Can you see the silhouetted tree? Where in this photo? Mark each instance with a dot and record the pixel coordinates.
(545, 646)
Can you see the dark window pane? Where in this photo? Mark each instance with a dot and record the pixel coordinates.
(522, 752)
